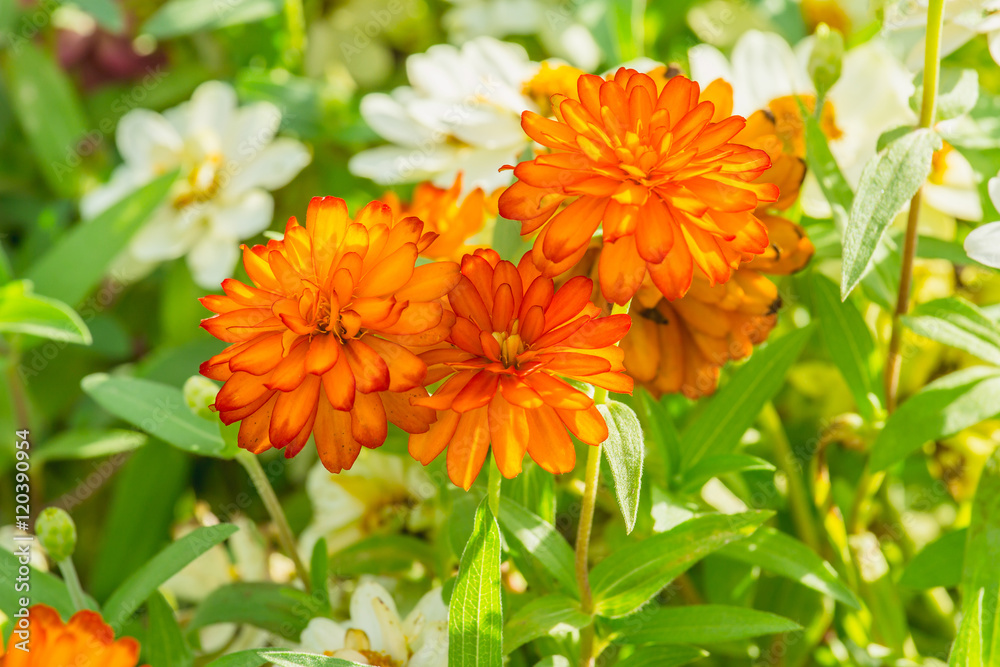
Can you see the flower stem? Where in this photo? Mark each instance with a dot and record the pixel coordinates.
(932, 69)
(263, 485)
(494, 488)
(591, 478)
(72, 582)
(798, 497)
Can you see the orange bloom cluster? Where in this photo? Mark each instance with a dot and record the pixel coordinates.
(681, 345)
(515, 342)
(656, 168)
(320, 341)
(452, 219)
(85, 640)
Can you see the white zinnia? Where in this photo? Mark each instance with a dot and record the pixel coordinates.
(228, 159)
(383, 491)
(554, 21)
(375, 632)
(460, 113)
(983, 243)
(906, 25)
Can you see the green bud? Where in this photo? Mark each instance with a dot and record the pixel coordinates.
(199, 394)
(57, 533)
(825, 59)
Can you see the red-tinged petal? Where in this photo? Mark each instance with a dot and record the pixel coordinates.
(600, 332)
(617, 382)
(572, 227)
(259, 358)
(465, 335)
(290, 373)
(467, 303)
(292, 411)
(258, 269)
(429, 282)
(324, 351)
(220, 325)
(253, 429)
(509, 435)
(503, 308)
(372, 310)
(220, 304)
(575, 363)
(477, 392)
(416, 319)
(443, 396)
(532, 325)
(559, 335)
(400, 410)
(425, 447)
(390, 274)
(673, 276)
(339, 384)
(335, 445)
(525, 202)
(654, 234)
(368, 420)
(406, 370)
(240, 390)
(468, 448)
(371, 374)
(557, 393)
(232, 416)
(517, 392)
(479, 271)
(621, 270)
(550, 445)
(539, 293)
(217, 368)
(587, 425)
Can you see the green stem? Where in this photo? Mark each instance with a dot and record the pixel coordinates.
(591, 479)
(494, 488)
(72, 582)
(263, 485)
(296, 21)
(932, 70)
(798, 497)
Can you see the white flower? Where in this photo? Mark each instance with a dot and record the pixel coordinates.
(7, 535)
(983, 243)
(906, 24)
(559, 30)
(460, 113)
(228, 159)
(376, 635)
(383, 491)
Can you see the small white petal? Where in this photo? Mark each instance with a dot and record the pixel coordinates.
(213, 259)
(993, 187)
(765, 68)
(321, 635)
(253, 127)
(271, 167)
(147, 141)
(244, 216)
(393, 118)
(211, 108)
(983, 244)
(124, 180)
(393, 639)
(168, 235)
(364, 616)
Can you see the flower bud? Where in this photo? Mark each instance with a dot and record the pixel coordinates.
(199, 394)
(825, 59)
(57, 533)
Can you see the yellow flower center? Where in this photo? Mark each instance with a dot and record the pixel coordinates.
(511, 346)
(203, 182)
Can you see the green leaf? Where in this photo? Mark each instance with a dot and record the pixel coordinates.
(86, 444)
(626, 580)
(183, 17)
(961, 96)
(660, 429)
(159, 410)
(78, 261)
(45, 588)
(663, 656)
(475, 616)
(850, 343)
(715, 466)
(550, 614)
(942, 408)
(967, 650)
(279, 609)
(982, 553)
(51, 114)
(727, 415)
(937, 564)
(624, 449)
(22, 312)
(164, 644)
(278, 657)
(554, 661)
(539, 538)
(930, 247)
(781, 554)
(319, 576)
(138, 587)
(958, 323)
(888, 181)
(108, 14)
(382, 554)
(822, 163)
(701, 624)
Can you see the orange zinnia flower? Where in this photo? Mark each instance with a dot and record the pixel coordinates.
(319, 341)
(85, 640)
(515, 341)
(453, 222)
(657, 168)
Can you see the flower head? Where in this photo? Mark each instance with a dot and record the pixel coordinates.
(455, 220)
(228, 160)
(319, 340)
(515, 342)
(657, 169)
(86, 637)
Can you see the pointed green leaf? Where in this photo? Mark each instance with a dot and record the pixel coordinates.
(727, 415)
(551, 614)
(888, 181)
(86, 444)
(23, 312)
(980, 574)
(663, 656)
(937, 564)
(539, 538)
(475, 617)
(967, 650)
(183, 17)
(821, 162)
(45, 588)
(942, 408)
(626, 580)
(279, 609)
(958, 323)
(624, 449)
(279, 657)
(164, 643)
(714, 466)
(701, 624)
